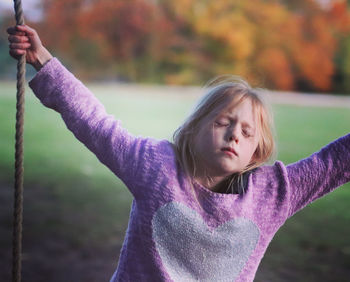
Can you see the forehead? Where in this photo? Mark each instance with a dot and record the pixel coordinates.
(242, 108)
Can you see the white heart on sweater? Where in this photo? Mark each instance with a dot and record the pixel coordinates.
(191, 251)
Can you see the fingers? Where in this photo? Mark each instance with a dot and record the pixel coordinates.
(13, 31)
(24, 28)
(18, 42)
(23, 46)
(23, 33)
(24, 40)
(17, 39)
(18, 49)
(21, 30)
(17, 53)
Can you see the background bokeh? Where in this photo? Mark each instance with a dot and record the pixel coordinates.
(144, 59)
(287, 45)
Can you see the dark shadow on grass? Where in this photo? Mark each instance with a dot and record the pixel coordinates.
(69, 237)
(58, 243)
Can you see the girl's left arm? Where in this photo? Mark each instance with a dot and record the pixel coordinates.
(319, 174)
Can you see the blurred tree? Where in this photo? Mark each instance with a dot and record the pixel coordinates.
(133, 33)
(59, 30)
(128, 38)
(278, 44)
(339, 17)
(282, 43)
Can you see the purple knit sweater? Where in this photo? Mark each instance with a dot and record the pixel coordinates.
(169, 237)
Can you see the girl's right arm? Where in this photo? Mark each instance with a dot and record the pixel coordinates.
(83, 114)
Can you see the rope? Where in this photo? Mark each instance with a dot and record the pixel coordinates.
(18, 193)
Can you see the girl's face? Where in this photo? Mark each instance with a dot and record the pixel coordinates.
(227, 145)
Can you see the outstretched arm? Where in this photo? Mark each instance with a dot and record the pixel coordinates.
(24, 40)
(319, 174)
(83, 114)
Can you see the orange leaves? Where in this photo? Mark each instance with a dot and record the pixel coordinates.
(315, 65)
(120, 26)
(126, 33)
(282, 43)
(313, 52)
(288, 46)
(232, 28)
(274, 61)
(339, 16)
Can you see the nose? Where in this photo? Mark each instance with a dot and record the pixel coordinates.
(233, 138)
(233, 134)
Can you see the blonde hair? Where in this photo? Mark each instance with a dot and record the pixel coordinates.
(221, 93)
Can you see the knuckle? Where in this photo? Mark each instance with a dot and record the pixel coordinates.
(19, 39)
(12, 38)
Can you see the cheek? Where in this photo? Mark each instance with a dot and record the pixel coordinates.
(202, 142)
(249, 148)
(207, 137)
(253, 151)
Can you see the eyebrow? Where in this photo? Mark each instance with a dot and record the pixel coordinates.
(247, 125)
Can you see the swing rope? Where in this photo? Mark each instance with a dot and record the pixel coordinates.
(18, 193)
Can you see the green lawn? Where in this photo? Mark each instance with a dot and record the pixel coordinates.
(313, 245)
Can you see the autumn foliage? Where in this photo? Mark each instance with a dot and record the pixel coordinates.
(273, 43)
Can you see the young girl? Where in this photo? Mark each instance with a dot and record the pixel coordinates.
(204, 208)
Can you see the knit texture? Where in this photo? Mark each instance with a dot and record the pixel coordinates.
(173, 233)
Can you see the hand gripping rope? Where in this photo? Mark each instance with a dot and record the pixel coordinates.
(18, 193)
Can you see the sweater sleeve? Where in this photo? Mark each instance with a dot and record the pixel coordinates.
(319, 174)
(86, 117)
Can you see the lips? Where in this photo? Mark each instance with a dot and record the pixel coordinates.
(230, 150)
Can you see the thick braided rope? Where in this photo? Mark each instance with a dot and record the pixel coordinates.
(18, 193)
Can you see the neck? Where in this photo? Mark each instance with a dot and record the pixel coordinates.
(220, 184)
(210, 183)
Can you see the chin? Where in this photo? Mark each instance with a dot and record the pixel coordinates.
(230, 171)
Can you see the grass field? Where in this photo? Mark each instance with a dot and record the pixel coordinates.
(76, 211)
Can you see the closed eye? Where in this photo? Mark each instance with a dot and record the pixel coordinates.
(247, 133)
(220, 123)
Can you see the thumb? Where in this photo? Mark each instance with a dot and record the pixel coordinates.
(24, 28)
